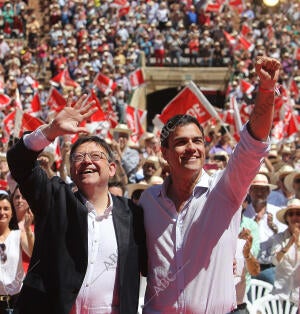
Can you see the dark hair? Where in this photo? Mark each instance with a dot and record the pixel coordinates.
(13, 224)
(93, 139)
(117, 184)
(173, 123)
(136, 194)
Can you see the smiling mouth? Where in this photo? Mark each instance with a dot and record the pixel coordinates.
(187, 158)
(87, 171)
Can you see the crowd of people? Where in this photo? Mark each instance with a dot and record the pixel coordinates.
(182, 170)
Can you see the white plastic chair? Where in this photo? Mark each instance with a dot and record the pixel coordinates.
(272, 304)
(258, 289)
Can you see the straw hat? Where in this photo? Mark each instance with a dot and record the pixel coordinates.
(153, 160)
(289, 180)
(156, 180)
(262, 180)
(135, 186)
(283, 171)
(292, 204)
(273, 156)
(146, 136)
(121, 128)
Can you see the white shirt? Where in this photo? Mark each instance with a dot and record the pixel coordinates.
(99, 290)
(11, 271)
(265, 232)
(190, 253)
(287, 271)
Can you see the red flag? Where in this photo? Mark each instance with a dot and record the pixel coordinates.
(297, 54)
(278, 108)
(111, 115)
(63, 78)
(137, 78)
(246, 87)
(294, 88)
(3, 184)
(99, 114)
(246, 44)
(122, 6)
(67, 81)
(35, 103)
(277, 132)
(133, 122)
(245, 29)
(245, 111)
(290, 126)
(123, 11)
(30, 123)
(4, 101)
(231, 40)
(235, 3)
(55, 100)
(213, 7)
(9, 122)
(189, 101)
(104, 83)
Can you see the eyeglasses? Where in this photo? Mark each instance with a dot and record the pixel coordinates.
(291, 214)
(297, 180)
(3, 255)
(93, 156)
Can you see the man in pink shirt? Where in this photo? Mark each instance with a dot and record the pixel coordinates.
(192, 220)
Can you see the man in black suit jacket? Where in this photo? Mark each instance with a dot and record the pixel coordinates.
(89, 245)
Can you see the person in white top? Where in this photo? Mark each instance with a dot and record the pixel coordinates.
(264, 214)
(192, 220)
(286, 253)
(12, 242)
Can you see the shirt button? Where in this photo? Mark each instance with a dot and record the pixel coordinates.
(92, 262)
(86, 284)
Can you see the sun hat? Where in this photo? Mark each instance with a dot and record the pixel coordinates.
(152, 160)
(135, 186)
(289, 180)
(156, 180)
(282, 171)
(292, 204)
(146, 136)
(121, 128)
(262, 180)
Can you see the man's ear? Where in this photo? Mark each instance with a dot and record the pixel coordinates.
(112, 169)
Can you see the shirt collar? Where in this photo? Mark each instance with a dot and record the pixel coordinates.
(91, 209)
(202, 184)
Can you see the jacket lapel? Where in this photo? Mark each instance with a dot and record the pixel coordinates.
(121, 220)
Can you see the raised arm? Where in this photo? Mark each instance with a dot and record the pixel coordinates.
(261, 118)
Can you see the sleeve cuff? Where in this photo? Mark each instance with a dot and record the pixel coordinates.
(36, 140)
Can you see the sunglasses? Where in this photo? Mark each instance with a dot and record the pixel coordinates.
(3, 255)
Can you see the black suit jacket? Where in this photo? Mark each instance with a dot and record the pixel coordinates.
(59, 260)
